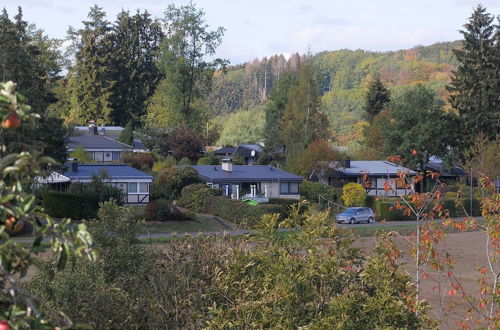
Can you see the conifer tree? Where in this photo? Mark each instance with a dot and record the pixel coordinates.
(135, 42)
(377, 97)
(127, 135)
(475, 88)
(93, 70)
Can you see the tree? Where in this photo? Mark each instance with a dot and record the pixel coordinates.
(316, 156)
(274, 110)
(183, 61)
(127, 135)
(135, 41)
(93, 70)
(303, 121)
(32, 59)
(244, 126)
(169, 182)
(18, 308)
(186, 143)
(377, 97)
(418, 122)
(81, 155)
(475, 85)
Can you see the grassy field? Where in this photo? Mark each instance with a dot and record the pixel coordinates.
(203, 223)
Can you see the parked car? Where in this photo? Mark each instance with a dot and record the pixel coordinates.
(356, 214)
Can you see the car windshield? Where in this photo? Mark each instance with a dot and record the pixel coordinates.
(350, 211)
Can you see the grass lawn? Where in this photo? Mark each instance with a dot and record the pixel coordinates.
(203, 223)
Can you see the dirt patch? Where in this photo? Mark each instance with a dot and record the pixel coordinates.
(469, 251)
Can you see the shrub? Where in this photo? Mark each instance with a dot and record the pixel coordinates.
(196, 197)
(287, 202)
(95, 192)
(164, 163)
(353, 194)
(204, 161)
(158, 210)
(311, 191)
(168, 183)
(141, 161)
(462, 209)
(185, 161)
(179, 213)
(61, 204)
(387, 211)
(242, 213)
(369, 201)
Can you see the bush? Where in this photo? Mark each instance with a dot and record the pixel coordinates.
(63, 205)
(179, 213)
(287, 202)
(204, 161)
(95, 192)
(353, 194)
(158, 210)
(197, 196)
(387, 211)
(369, 201)
(141, 161)
(311, 191)
(185, 161)
(164, 163)
(463, 208)
(242, 213)
(169, 183)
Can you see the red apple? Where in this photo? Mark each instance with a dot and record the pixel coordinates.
(4, 325)
(12, 120)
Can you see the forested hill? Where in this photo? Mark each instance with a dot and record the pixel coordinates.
(342, 74)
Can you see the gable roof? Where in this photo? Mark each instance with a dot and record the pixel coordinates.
(445, 171)
(244, 173)
(245, 150)
(224, 151)
(96, 142)
(113, 171)
(371, 167)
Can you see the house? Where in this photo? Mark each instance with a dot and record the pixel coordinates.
(101, 148)
(375, 175)
(452, 173)
(239, 181)
(249, 152)
(112, 132)
(135, 184)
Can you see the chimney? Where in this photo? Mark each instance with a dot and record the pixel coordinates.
(347, 162)
(227, 165)
(92, 128)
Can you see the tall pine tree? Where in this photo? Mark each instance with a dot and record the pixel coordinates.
(135, 42)
(475, 88)
(93, 70)
(32, 61)
(377, 96)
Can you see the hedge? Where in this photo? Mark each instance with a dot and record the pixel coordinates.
(197, 196)
(387, 211)
(61, 205)
(458, 210)
(242, 213)
(158, 210)
(287, 202)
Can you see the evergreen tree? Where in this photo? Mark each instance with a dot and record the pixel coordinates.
(127, 135)
(475, 87)
(303, 121)
(376, 97)
(93, 70)
(135, 41)
(33, 61)
(183, 61)
(274, 110)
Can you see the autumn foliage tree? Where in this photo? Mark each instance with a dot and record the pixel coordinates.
(186, 143)
(316, 156)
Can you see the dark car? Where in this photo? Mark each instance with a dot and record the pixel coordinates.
(356, 214)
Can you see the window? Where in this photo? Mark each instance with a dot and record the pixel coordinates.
(116, 155)
(132, 187)
(143, 187)
(289, 188)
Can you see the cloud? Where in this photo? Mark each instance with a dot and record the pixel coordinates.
(324, 20)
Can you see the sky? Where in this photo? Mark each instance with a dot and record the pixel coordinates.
(258, 28)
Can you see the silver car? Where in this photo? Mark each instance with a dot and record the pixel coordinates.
(356, 214)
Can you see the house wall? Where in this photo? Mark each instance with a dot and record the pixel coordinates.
(273, 190)
(376, 186)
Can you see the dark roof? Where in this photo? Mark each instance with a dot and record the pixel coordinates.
(451, 171)
(95, 142)
(114, 171)
(224, 151)
(245, 150)
(244, 173)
